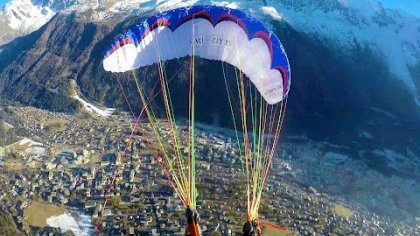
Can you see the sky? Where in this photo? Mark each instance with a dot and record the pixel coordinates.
(411, 6)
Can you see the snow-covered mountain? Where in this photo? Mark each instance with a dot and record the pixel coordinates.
(20, 17)
(393, 34)
(355, 64)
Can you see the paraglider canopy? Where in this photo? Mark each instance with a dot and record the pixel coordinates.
(257, 105)
(215, 33)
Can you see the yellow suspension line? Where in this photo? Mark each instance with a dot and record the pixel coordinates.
(239, 83)
(159, 138)
(169, 113)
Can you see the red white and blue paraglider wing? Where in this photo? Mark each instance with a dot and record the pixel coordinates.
(209, 32)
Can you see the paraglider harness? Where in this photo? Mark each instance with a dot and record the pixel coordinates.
(192, 219)
(251, 228)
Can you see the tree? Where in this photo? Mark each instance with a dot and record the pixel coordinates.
(8, 226)
(115, 201)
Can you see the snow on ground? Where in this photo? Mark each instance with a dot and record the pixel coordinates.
(26, 141)
(29, 142)
(8, 125)
(91, 108)
(36, 150)
(383, 112)
(391, 33)
(66, 222)
(365, 134)
(23, 14)
(2, 154)
(335, 158)
(271, 11)
(394, 159)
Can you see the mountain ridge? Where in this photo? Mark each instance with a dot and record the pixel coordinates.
(343, 22)
(334, 87)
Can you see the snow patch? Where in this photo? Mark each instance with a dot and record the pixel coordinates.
(26, 141)
(335, 158)
(365, 134)
(29, 142)
(233, 5)
(392, 34)
(66, 222)
(271, 11)
(8, 125)
(92, 108)
(55, 90)
(394, 159)
(23, 15)
(383, 112)
(36, 150)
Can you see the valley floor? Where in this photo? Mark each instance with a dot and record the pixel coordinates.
(314, 188)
